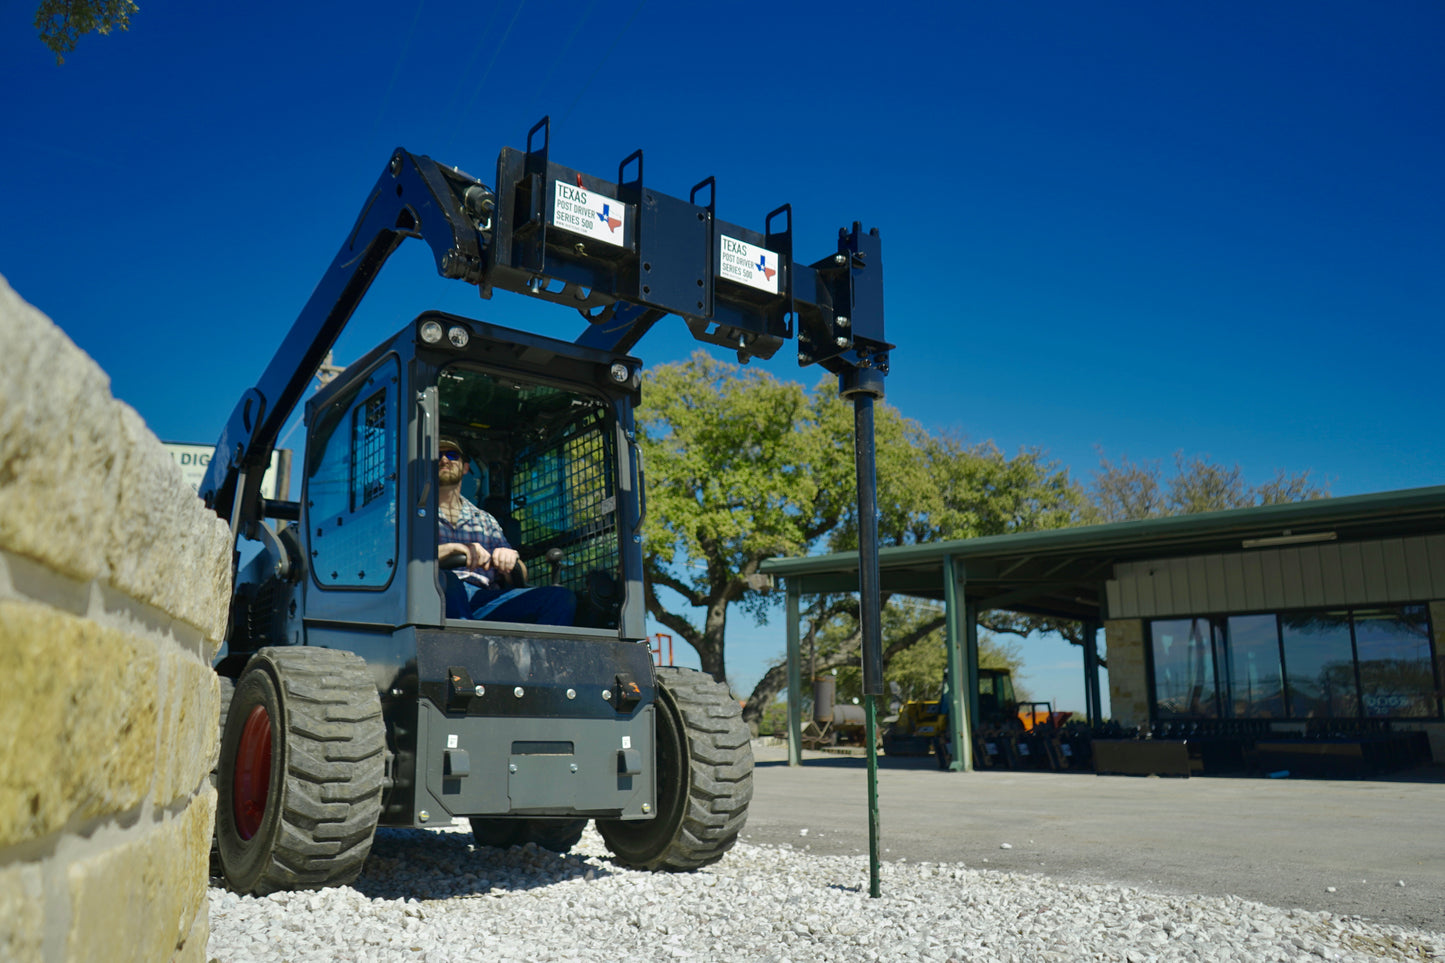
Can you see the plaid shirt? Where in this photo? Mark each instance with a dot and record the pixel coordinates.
(473, 526)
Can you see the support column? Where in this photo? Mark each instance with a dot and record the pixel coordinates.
(970, 659)
(795, 685)
(1092, 703)
(960, 723)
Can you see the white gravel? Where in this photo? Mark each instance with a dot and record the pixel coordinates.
(430, 895)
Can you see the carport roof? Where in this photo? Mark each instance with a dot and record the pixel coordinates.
(1061, 572)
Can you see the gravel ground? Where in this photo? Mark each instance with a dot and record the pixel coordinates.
(430, 895)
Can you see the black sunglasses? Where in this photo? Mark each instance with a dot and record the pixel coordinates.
(451, 455)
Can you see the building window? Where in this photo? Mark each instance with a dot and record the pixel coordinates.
(1344, 664)
(1184, 680)
(1320, 662)
(1252, 675)
(1396, 669)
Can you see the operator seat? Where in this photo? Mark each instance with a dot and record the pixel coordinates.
(500, 508)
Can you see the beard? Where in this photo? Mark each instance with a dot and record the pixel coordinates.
(451, 472)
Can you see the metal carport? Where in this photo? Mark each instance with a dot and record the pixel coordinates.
(1063, 573)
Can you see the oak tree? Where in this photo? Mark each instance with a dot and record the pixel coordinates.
(63, 22)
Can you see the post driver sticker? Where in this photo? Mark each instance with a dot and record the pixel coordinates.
(590, 214)
(757, 267)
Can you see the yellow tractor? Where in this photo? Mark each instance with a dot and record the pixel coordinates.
(922, 727)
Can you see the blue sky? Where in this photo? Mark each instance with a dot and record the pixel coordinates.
(1136, 227)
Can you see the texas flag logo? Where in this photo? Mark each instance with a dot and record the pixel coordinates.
(763, 268)
(605, 216)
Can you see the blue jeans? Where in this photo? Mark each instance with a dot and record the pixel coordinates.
(542, 604)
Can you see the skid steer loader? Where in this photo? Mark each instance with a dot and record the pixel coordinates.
(353, 696)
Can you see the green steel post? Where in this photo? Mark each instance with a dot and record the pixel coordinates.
(960, 723)
(870, 732)
(864, 386)
(795, 685)
(1094, 708)
(970, 656)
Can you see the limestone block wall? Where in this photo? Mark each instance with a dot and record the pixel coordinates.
(113, 587)
(1128, 678)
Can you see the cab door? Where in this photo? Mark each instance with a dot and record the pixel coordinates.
(350, 505)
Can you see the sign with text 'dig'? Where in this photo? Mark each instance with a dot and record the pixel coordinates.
(194, 459)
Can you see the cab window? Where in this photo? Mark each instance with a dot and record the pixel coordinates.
(544, 465)
(351, 484)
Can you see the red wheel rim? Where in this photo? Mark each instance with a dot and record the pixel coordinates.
(252, 777)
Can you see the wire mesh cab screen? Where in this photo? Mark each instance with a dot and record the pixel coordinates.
(543, 463)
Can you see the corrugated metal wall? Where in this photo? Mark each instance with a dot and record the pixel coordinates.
(1300, 577)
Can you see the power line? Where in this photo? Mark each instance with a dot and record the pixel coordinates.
(396, 71)
(595, 70)
(496, 52)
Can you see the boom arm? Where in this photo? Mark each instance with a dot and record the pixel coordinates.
(415, 197)
(623, 254)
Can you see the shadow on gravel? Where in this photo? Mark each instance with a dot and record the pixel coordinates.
(420, 864)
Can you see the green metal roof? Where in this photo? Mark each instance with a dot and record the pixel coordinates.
(1061, 572)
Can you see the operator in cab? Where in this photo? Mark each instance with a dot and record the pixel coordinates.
(490, 583)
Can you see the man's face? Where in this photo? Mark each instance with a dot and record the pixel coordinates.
(451, 466)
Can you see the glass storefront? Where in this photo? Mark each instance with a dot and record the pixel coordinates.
(1184, 670)
(1321, 660)
(1252, 674)
(1394, 652)
(1371, 663)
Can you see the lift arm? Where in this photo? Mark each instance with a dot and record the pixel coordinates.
(620, 252)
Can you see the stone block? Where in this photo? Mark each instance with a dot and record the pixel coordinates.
(59, 444)
(22, 913)
(193, 950)
(1128, 678)
(163, 546)
(138, 900)
(78, 739)
(190, 705)
(88, 490)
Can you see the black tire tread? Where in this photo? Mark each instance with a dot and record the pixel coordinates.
(554, 835)
(228, 691)
(719, 774)
(335, 766)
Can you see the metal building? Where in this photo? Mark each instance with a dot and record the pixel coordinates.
(1294, 616)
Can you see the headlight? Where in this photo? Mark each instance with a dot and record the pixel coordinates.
(431, 332)
(458, 336)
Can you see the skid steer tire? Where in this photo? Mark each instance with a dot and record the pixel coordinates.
(496, 832)
(301, 769)
(555, 835)
(704, 779)
(228, 692)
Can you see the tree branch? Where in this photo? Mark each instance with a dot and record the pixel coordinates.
(660, 576)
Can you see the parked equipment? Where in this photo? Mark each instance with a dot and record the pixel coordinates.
(917, 729)
(353, 699)
(1007, 733)
(832, 723)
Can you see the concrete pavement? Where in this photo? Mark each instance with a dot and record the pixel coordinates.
(1278, 841)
